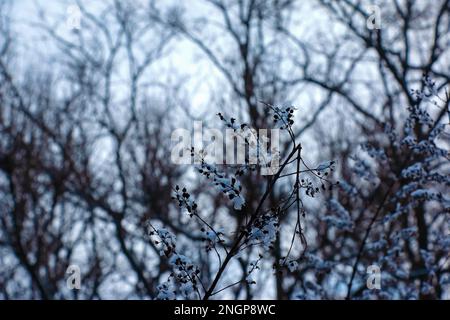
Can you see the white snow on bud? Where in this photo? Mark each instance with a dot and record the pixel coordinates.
(413, 172)
(166, 291)
(163, 239)
(292, 265)
(264, 232)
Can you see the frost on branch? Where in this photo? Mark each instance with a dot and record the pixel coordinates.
(413, 172)
(166, 291)
(253, 266)
(163, 239)
(212, 238)
(184, 277)
(228, 185)
(264, 232)
(184, 200)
